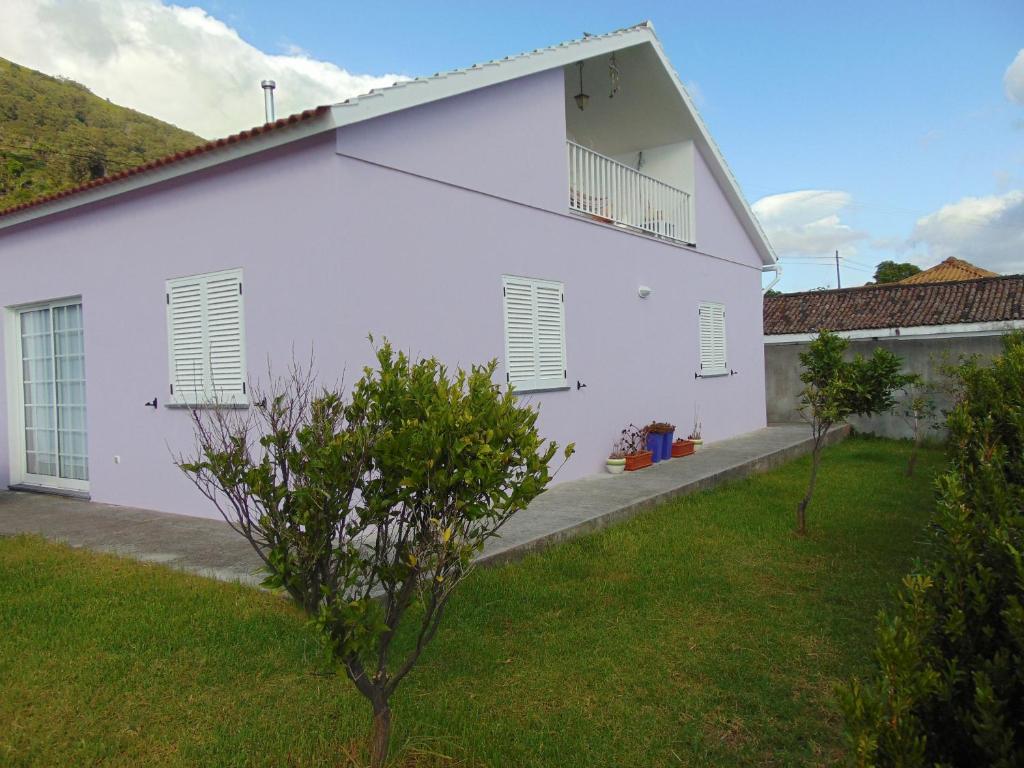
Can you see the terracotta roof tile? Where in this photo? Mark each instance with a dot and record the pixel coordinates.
(949, 270)
(896, 305)
(161, 162)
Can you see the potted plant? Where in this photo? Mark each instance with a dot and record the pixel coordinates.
(695, 435)
(653, 442)
(616, 463)
(632, 445)
(659, 439)
(682, 447)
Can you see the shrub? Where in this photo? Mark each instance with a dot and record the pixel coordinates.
(369, 509)
(950, 684)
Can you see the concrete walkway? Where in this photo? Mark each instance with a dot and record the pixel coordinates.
(211, 548)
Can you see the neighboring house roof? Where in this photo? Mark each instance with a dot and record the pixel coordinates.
(895, 305)
(948, 271)
(403, 95)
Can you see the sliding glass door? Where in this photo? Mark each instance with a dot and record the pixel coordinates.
(53, 396)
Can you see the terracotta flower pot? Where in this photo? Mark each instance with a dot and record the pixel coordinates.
(681, 448)
(640, 460)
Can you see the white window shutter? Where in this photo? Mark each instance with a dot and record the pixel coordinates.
(534, 333)
(520, 332)
(550, 334)
(186, 328)
(713, 360)
(224, 332)
(206, 344)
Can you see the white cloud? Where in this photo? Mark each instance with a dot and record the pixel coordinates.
(176, 63)
(1013, 80)
(987, 231)
(807, 222)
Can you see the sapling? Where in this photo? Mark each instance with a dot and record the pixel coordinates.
(918, 413)
(835, 388)
(369, 508)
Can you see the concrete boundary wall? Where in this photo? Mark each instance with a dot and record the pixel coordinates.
(921, 356)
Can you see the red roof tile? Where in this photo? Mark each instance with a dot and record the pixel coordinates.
(161, 162)
(896, 305)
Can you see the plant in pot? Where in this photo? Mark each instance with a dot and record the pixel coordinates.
(632, 445)
(659, 439)
(682, 447)
(695, 435)
(616, 463)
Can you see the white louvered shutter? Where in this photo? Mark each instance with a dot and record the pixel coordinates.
(534, 333)
(713, 360)
(187, 339)
(224, 333)
(205, 339)
(520, 332)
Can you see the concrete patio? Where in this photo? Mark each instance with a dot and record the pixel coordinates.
(211, 548)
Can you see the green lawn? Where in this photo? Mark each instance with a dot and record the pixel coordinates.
(702, 633)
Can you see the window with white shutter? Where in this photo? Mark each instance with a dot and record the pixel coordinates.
(712, 339)
(205, 338)
(534, 333)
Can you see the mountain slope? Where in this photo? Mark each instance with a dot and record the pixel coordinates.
(55, 133)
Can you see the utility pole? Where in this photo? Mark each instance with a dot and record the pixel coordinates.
(839, 280)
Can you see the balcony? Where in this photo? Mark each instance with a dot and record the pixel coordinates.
(610, 191)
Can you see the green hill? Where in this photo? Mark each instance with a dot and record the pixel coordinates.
(55, 133)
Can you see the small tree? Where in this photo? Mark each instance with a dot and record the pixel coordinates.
(918, 412)
(835, 388)
(362, 508)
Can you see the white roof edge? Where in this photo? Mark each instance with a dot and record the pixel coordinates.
(948, 330)
(720, 168)
(439, 86)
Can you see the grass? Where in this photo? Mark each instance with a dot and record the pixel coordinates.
(701, 633)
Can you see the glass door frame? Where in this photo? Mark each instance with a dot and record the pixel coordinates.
(16, 401)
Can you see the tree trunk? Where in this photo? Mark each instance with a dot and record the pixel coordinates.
(913, 462)
(913, 454)
(380, 739)
(801, 508)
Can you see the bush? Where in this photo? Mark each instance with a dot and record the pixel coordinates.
(368, 508)
(950, 688)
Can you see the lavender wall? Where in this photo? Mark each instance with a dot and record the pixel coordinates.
(356, 247)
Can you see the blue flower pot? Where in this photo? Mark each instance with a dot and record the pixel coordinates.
(654, 444)
(666, 444)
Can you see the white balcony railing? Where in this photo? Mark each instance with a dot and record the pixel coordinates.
(608, 190)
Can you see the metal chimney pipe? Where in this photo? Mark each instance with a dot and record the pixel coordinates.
(268, 99)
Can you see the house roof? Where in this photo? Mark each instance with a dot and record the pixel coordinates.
(895, 305)
(402, 95)
(166, 160)
(948, 271)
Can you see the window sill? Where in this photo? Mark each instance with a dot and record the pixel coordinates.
(540, 390)
(710, 374)
(52, 491)
(206, 406)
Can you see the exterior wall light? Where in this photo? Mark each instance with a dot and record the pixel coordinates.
(644, 291)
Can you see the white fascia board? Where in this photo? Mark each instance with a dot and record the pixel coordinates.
(719, 168)
(949, 331)
(413, 93)
(239, 149)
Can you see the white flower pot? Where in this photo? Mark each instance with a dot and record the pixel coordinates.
(616, 466)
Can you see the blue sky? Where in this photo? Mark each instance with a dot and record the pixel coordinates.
(894, 109)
